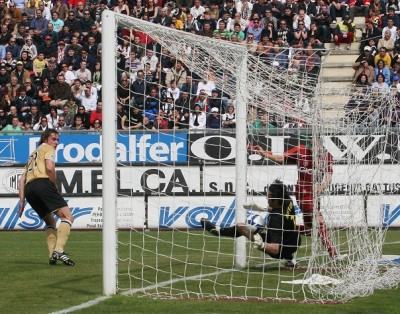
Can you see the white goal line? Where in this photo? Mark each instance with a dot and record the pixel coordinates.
(101, 299)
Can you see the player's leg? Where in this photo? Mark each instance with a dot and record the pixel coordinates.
(324, 235)
(51, 235)
(63, 232)
(308, 209)
(232, 232)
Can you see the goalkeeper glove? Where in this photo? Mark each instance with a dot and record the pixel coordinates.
(258, 242)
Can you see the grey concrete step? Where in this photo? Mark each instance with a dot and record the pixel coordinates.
(340, 74)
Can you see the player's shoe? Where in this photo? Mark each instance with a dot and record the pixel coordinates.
(63, 257)
(210, 227)
(291, 263)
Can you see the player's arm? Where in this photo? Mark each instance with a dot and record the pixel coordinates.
(51, 170)
(21, 193)
(256, 149)
(269, 248)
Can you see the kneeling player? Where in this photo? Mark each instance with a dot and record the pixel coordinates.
(279, 238)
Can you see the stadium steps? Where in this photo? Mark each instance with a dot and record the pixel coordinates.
(337, 74)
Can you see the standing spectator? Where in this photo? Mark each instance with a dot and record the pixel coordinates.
(197, 10)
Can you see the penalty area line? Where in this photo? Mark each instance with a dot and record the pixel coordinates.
(101, 299)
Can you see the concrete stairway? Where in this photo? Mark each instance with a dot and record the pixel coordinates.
(337, 74)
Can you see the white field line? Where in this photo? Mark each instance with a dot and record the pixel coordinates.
(133, 291)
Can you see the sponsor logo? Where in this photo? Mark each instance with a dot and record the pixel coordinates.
(10, 180)
(389, 216)
(9, 219)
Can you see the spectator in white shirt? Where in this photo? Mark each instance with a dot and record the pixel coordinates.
(83, 73)
(173, 91)
(151, 59)
(198, 118)
(197, 10)
(390, 27)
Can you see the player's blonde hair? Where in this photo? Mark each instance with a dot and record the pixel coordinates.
(46, 134)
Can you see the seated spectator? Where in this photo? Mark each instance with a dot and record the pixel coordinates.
(4, 76)
(21, 73)
(176, 122)
(229, 117)
(124, 91)
(302, 17)
(152, 105)
(135, 120)
(177, 74)
(23, 102)
(344, 32)
(29, 48)
(380, 85)
(78, 123)
(381, 68)
(61, 125)
(39, 65)
(69, 75)
(97, 126)
(14, 128)
(42, 125)
(160, 122)
(386, 42)
(88, 98)
(96, 114)
(300, 36)
(3, 118)
(197, 118)
(150, 58)
(53, 117)
(33, 117)
(147, 124)
(255, 29)
(60, 92)
(362, 82)
(83, 73)
(364, 69)
(384, 56)
(338, 8)
(173, 91)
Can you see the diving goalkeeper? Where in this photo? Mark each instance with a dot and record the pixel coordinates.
(279, 238)
(308, 182)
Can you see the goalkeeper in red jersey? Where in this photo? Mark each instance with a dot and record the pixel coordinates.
(279, 238)
(308, 182)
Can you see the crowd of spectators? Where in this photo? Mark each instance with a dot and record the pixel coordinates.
(377, 68)
(50, 69)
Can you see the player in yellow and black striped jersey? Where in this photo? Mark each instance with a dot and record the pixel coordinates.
(279, 238)
(38, 185)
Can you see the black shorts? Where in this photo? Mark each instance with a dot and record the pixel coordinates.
(43, 196)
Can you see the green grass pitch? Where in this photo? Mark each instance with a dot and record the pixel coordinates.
(29, 285)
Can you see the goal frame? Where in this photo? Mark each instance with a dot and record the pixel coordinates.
(109, 164)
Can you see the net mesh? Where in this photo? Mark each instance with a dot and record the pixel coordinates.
(179, 170)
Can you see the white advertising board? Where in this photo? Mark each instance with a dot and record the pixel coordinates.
(88, 180)
(343, 210)
(87, 212)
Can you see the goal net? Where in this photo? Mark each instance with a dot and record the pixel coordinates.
(208, 126)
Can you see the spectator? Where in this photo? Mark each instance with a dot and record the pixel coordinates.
(139, 90)
(83, 73)
(39, 65)
(60, 92)
(20, 73)
(197, 118)
(88, 98)
(229, 117)
(23, 102)
(96, 114)
(78, 123)
(150, 59)
(255, 29)
(85, 117)
(39, 22)
(173, 91)
(69, 113)
(44, 94)
(366, 70)
(386, 42)
(344, 33)
(12, 128)
(96, 126)
(61, 125)
(358, 8)
(42, 125)
(197, 10)
(13, 48)
(68, 74)
(384, 56)
(53, 117)
(390, 28)
(56, 21)
(34, 116)
(49, 49)
(163, 18)
(302, 17)
(160, 122)
(380, 85)
(152, 105)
